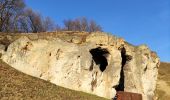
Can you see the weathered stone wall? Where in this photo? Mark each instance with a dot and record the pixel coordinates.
(141, 71)
(94, 63)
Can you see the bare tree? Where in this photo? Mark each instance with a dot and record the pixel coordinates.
(76, 25)
(35, 21)
(48, 24)
(93, 27)
(24, 24)
(84, 24)
(81, 24)
(58, 28)
(14, 17)
(9, 11)
(68, 24)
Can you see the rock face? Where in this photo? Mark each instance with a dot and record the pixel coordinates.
(98, 63)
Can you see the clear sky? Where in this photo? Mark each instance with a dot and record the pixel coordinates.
(137, 21)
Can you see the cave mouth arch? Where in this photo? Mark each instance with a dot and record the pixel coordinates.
(99, 56)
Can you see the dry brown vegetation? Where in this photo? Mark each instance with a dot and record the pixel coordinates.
(15, 85)
(163, 83)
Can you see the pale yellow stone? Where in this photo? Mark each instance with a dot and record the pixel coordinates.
(69, 63)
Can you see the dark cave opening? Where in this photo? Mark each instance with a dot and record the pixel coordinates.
(120, 87)
(100, 57)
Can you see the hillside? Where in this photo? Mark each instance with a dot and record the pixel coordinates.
(15, 85)
(163, 83)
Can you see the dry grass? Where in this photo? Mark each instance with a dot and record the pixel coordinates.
(163, 83)
(15, 85)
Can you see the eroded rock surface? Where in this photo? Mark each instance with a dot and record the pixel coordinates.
(97, 63)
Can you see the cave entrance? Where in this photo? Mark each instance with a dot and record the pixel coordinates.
(100, 57)
(120, 87)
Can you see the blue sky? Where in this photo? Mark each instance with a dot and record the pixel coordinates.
(137, 21)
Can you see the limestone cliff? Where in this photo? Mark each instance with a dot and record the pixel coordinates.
(97, 63)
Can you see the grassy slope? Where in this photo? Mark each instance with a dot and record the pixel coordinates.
(163, 83)
(15, 85)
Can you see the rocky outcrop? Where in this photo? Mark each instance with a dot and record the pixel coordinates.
(98, 63)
